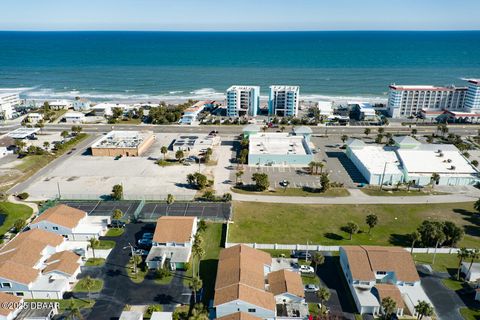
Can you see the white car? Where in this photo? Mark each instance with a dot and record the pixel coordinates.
(311, 288)
(306, 269)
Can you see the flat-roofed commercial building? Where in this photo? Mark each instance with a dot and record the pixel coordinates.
(243, 101)
(283, 101)
(123, 143)
(406, 100)
(278, 148)
(410, 160)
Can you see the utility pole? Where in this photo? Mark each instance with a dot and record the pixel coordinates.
(58, 189)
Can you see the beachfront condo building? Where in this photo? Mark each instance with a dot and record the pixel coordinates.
(406, 101)
(8, 101)
(283, 101)
(472, 99)
(243, 101)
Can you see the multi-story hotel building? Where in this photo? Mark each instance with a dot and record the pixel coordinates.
(7, 103)
(406, 101)
(243, 101)
(472, 99)
(283, 101)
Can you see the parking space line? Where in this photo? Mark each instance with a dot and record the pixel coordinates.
(186, 209)
(95, 207)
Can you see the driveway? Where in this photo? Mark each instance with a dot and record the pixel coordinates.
(119, 290)
(446, 301)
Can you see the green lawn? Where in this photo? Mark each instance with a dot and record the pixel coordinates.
(136, 277)
(80, 286)
(115, 232)
(165, 280)
(399, 193)
(95, 262)
(64, 304)
(296, 192)
(13, 212)
(105, 244)
(322, 224)
(212, 243)
(470, 314)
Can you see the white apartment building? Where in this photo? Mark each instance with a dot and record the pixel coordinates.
(406, 101)
(472, 99)
(283, 101)
(243, 101)
(7, 103)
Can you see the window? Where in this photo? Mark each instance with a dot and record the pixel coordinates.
(55, 228)
(6, 285)
(252, 310)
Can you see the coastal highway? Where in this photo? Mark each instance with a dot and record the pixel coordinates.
(462, 130)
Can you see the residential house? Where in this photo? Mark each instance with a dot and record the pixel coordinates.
(172, 242)
(374, 273)
(239, 316)
(9, 306)
(471, 273)
(71, 223)
(74, 117)
(34, 117)
(82, 104)
(34, 266)
(60, 104)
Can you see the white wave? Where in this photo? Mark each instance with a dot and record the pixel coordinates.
(18, 89)
(204, 91)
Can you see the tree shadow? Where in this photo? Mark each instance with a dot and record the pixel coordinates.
(333, 236)
(311, 190)
(399, 240)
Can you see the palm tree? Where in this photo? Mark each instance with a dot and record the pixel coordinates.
(381, 130)
(170, 199)
(164, 151)
(344, 138)
(88, 283)
(198, 251)
(474, 254)
(440, 237)
(64, 134)
(414, 238)
(352, 228)
(371, 220)
(389, 305)
(423, 309)
(323, 295)
(320, 165)
(462, 254)
(73, 311)
(367, 131)
(238, 176)
(117, 215)
(179, 155)
(93, 243)
(318, 259)
(46, 144)
(311, 165)
(196, 284)
(435, 179)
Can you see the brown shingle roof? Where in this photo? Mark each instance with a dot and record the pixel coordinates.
(364, 261)
(6, 298)
(240, 276)
(173, 229)
(283, 281)
(245, 293)
(389, 290)
(64, 261)
(239, 316)
(19, 256)
(62, 215)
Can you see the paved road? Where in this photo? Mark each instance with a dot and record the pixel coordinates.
(52, 165)
(358, 197)
(229, 130)
(119, 290)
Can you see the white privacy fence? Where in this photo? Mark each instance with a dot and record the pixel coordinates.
(315, 247)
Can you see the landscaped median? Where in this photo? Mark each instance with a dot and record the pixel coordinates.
(273, 223)
(88, 285)
(293, 192)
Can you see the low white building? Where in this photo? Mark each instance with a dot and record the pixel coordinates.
(60, 104)
(71, 223)
(34, 265)
(325, 108)
(195, 143)
(473, 274)
(374, 273)
(376, 164)
(74, 117)
(103, 109)
(34, 117)
(172, 242)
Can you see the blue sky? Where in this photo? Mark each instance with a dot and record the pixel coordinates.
(198, 15)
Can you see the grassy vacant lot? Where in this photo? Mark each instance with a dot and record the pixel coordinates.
(95, 262)
(296, 192)
(80, 286)
(212, 243)
(322, 224)
(13, 212)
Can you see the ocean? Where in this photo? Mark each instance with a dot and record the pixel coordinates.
(179, 65)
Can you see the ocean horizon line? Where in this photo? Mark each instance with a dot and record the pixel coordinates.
(239, 31)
